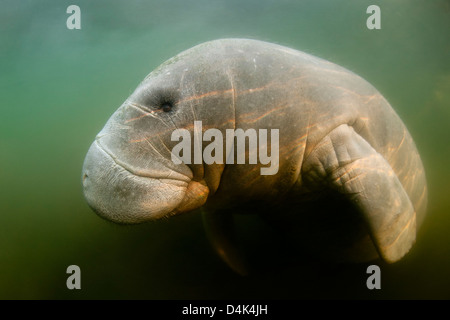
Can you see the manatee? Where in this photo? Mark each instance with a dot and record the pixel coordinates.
(349, 186)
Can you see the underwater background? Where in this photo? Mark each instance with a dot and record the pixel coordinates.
(58, 87)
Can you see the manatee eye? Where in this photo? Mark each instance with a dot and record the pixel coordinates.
(166, 106)
(161, 99)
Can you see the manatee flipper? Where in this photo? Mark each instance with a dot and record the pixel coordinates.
(219, 229)
(348, 164)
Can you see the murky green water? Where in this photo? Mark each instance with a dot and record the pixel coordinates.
(58, 87)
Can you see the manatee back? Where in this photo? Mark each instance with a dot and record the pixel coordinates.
(306, 97)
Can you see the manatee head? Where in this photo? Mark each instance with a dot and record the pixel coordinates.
(128, 174)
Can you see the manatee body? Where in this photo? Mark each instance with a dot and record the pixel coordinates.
(350, 182)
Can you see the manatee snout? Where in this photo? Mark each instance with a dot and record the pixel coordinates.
(118, 195)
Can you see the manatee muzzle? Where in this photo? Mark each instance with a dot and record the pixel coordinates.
(117, 194)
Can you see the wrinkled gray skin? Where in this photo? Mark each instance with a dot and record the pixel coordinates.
(350, 184)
